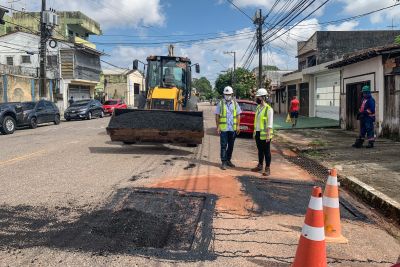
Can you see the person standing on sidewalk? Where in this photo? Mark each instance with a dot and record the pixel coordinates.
(227, 116)
(366, 116)
(294, 110)
(263, 131)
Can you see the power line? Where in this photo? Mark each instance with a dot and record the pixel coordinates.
(241, 10)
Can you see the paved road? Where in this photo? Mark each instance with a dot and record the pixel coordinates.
(57, 181)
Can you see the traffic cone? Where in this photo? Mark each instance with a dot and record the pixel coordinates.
(311, 251)
(333, 230)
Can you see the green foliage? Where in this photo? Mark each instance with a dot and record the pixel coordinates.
(397, 39)
(245, 82)
(203, 87)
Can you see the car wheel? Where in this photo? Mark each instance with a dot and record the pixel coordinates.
(102, 114)
(57, 120)
(9, 125)
(33, 123)
(89, 115)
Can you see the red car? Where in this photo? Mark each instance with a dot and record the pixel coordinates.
(248, 114)
(112, 104)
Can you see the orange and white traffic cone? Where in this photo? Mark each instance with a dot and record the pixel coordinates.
(333, 230)
(311, 251)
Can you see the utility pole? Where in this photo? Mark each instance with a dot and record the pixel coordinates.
(234, 66)
(43, 41)
(259, 21)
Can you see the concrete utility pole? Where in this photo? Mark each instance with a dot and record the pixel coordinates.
(234, 66)
(43, 41)
(259, 21)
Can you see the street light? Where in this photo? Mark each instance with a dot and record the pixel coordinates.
(234, 65)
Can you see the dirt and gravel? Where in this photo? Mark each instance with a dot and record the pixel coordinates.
(156, 119)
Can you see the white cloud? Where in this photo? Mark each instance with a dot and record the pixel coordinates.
(110, 14)
(345, 26)
(356, 7)
(280, 52)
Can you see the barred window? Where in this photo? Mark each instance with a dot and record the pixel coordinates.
(26, 59)
(52, 61)
(10, 61)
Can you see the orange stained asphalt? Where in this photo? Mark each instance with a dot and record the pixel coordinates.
(226, 186)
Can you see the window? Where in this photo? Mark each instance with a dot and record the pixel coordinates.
(49, 106)
(110, 102)
(52, 61)
(40, 105)
(311, 61)
(247, 106)
(10, 61)
(26, 59)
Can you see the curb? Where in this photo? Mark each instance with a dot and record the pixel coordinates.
(385, 205)
(369, 195)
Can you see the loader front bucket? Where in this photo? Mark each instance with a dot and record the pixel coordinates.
(159, 126)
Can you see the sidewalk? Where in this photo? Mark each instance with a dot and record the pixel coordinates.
(374, 175)
(303, 122)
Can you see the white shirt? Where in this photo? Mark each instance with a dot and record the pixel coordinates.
(270, 115)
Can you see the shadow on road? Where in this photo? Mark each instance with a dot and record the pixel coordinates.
(159, 223)
(288, 197)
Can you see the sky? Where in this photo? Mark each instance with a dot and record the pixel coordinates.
(204, 30)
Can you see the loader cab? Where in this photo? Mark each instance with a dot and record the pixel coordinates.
(168, 82)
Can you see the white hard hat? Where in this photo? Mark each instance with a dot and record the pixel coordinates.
(228, 90)
(261, 92)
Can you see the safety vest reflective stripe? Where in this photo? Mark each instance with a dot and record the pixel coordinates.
(313, 233)
(330, 202)
(223, 116)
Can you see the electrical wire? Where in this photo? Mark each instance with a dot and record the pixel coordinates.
(241, 10)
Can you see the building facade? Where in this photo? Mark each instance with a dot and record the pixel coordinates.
(318, 87)
(124, 84)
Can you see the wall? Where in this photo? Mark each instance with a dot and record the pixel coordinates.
(326, 89)
(368, 70)
(15, 88)
(334, 44)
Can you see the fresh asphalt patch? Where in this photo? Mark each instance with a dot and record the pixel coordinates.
(154, 222)
(288, 197)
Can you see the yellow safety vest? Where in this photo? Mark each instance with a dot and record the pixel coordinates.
(223, 121)
(263, 122)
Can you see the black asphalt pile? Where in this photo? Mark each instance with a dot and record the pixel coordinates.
(157, 119)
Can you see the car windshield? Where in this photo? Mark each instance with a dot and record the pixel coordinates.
(28, 105)
(111, 102)
(80, 103)
(247, 106)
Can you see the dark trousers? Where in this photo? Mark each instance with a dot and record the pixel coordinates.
(227, 143)
(367, 128)
(264, 150)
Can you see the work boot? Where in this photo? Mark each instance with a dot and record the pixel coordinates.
(359, 142)
(230, 164)
(267, 171)
(370, 144)
(223, 166)
(257, 169)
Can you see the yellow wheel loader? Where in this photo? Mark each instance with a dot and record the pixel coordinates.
(167, 109)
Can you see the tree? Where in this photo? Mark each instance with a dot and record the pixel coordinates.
(203, 87)
(245, 82)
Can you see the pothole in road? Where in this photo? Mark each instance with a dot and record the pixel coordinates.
(155, 222)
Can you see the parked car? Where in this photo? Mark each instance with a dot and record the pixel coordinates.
(112, 104)
(13, 115)
(248, 114)
(84, 109)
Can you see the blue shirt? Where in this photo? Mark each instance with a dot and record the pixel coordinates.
(229, 113)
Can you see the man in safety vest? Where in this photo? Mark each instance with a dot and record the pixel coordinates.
(263, 131)
(227, 116)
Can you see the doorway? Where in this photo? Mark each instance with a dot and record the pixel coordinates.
(304, 99)
(353, 103)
